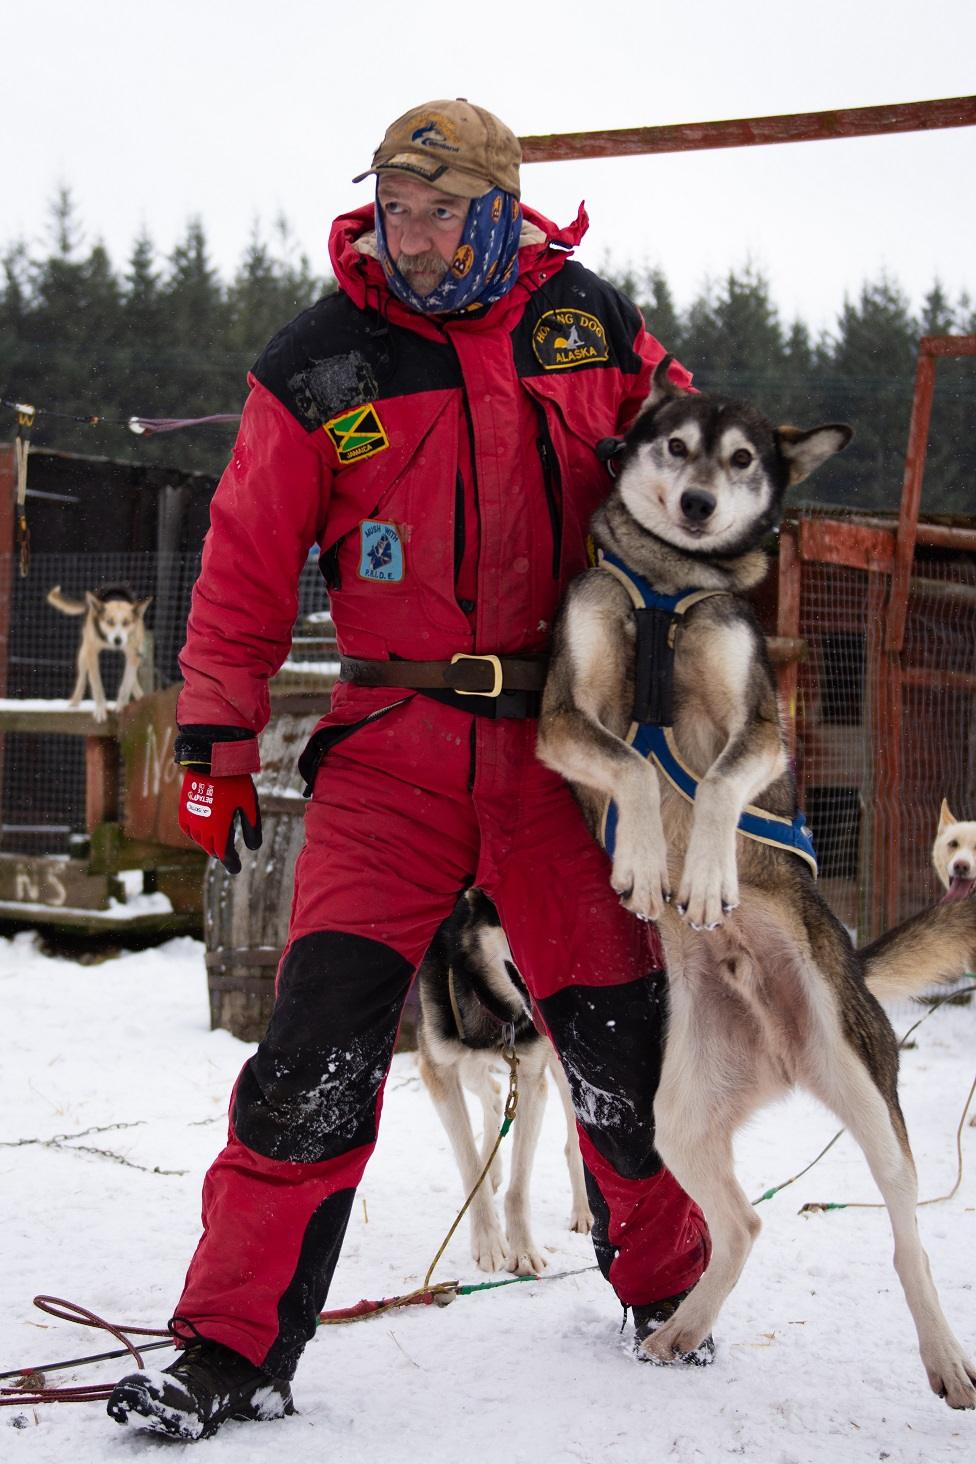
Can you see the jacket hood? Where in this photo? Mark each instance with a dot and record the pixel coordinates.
(360, 276)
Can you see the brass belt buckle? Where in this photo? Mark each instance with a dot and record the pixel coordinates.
(497, 667)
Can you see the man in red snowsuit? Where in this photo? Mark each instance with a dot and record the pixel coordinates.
(433, 428)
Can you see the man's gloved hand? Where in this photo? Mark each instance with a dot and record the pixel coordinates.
(209, 810)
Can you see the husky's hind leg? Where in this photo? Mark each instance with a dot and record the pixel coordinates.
(524, 1256)
(581, 1216)
(699, 1155)
(696, 1117)
(488, 1244)
(873, 1116)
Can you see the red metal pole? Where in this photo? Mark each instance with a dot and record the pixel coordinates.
(752, 131)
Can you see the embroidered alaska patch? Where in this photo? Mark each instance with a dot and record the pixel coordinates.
(380, 551)
(565, 338)
(357, 434)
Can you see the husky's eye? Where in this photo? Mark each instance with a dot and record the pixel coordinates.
(741, 458)
(953, 843)
(677, 448)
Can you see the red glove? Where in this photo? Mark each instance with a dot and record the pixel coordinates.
(209, 810)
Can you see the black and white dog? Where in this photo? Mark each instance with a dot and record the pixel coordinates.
(470, 993)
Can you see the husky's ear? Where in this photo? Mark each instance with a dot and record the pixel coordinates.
(946, 817)
(662, 387)
(92, 601)
(141, 606)
(805, 450)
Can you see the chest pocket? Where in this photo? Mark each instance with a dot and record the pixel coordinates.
(391, 519)
(580, 410)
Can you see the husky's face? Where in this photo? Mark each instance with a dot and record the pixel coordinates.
(708, 475)
(116, 620)
(954, 854)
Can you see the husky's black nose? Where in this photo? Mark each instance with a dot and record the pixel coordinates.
(697, 505)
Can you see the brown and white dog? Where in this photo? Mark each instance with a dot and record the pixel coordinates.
(954, 854)
(114, 621)
(766, 989)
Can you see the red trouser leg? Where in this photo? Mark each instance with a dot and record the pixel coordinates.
(384, 860)
(595, 972)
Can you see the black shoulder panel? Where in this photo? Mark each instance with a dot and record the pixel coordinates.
(577, 322)
(335, 356)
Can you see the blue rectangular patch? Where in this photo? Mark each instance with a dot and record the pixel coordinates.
(380, 551)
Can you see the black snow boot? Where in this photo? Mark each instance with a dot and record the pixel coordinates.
(650, 1318)
(190, 1399)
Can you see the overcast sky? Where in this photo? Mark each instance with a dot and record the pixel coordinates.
(235, 110)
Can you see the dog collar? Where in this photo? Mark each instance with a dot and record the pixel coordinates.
(651, 731)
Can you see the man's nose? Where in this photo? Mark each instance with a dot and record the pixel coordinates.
(415, 237)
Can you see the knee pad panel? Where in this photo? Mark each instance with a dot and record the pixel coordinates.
(310, 1091)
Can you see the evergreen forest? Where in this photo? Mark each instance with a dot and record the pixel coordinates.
(168, 337)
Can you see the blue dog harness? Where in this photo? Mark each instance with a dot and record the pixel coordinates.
(651, 732)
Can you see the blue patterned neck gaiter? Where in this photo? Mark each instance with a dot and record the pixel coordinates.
(485, 263)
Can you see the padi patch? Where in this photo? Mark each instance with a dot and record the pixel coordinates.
(357, 434)
(380, 551)
(564, 338)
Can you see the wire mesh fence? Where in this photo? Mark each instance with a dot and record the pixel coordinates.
(43, 785)
(883, 737)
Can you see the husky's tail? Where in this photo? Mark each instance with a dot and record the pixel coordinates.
(62, 602)
(937, 946)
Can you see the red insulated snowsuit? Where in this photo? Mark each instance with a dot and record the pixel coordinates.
(447, 470)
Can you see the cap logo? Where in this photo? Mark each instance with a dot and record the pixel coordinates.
(567, 338)
(436, 132)
(356, 434)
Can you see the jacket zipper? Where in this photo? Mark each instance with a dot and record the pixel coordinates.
(552, 483)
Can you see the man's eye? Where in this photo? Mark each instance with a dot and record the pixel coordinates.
(677, 448)
(392, 208)
(741, 458)
(443, 214)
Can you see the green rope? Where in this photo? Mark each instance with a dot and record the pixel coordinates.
(768, 1195)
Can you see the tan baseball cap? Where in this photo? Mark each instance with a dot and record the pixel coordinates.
(459, 147)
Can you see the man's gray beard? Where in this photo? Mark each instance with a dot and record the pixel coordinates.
(422, 272)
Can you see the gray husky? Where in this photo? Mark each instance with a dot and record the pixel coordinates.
(660, 708)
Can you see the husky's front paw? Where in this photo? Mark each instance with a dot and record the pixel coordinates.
(525, 1258)
(708, 893)
(640, 874)
(101, 712)
(581, 1219)
(489, 1248)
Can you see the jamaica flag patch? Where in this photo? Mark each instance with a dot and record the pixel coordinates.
(357, 434)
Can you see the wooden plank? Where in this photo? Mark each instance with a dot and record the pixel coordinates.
(152, 778)
(101, 781)
(752, 131)
(53, 883)
(33, 716)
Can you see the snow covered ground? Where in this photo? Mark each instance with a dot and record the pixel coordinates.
(817, 1357)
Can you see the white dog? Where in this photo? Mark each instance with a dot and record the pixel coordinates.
(954, 854)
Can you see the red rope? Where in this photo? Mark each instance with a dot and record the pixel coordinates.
(31, 1388)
